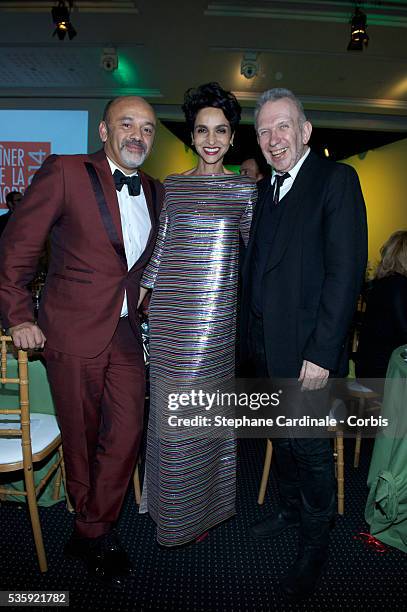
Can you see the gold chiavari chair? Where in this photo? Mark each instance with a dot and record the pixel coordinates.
(25, 440)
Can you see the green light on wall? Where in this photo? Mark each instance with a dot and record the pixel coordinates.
(126, 73)
(233, 168)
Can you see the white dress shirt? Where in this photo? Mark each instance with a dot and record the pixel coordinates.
(136, 225)
(288, 183)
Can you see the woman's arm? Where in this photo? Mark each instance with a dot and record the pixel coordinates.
(246, 220)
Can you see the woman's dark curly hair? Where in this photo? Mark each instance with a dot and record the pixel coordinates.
(211, 95)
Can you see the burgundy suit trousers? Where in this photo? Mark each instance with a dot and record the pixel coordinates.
(100, 407)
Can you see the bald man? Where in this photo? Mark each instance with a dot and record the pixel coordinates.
(101, 213)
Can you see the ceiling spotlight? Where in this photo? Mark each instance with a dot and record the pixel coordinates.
(358, 35)
(249, 66)
(61, 18)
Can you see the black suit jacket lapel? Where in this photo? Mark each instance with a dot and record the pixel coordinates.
(100, 176)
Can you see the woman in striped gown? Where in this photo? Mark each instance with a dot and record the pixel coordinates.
(190, 478)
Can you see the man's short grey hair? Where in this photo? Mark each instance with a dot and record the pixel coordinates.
(271, 95)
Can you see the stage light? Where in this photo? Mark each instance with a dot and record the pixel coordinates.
(358, 35)
(61, 18)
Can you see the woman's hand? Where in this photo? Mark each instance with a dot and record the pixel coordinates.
(142, 295)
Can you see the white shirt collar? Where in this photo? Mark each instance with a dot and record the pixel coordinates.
(114, 167)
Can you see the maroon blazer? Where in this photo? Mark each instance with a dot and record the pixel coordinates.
(73, 199)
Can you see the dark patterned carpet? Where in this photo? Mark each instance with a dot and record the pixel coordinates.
(227, 571)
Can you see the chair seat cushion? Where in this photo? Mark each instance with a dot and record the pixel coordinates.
(44, 430)
(357, 387)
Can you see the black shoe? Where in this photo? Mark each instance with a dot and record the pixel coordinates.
(104, 556)
(275, 524)
(302, 578)
(109, 568)
(114, 555)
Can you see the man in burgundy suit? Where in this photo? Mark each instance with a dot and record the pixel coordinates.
(101, 213)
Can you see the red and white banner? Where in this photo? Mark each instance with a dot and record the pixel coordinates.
(19, 161)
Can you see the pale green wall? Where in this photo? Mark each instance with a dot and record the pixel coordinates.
(169, 155)
(383, 176)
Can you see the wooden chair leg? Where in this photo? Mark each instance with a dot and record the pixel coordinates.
(69, 506)
(266, 472)
(357, 450)
(57, 482)
(340, 472)
(336, 457)
(35, 519)
(358, 441)
(136, 483)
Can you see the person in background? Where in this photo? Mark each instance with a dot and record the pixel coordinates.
(301, 278)
(384, 325)
(251, 167)
(101, 213)
(12, 199)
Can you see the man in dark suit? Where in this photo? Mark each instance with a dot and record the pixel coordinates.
(301, 278)
(12, 199)
(102, 216)
(251, 167)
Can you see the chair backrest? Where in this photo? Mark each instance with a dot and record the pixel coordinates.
(356, 326)
(355, 341)
(22, 413)
(12, 457)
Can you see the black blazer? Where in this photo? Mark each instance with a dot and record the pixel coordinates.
(4, 219)
(384, 326)
(315, 269)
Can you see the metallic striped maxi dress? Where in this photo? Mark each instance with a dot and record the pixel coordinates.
(190, 479)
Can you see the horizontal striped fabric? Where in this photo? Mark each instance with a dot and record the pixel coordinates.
(190, 476)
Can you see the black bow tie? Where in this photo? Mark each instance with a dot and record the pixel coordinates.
(132, 182)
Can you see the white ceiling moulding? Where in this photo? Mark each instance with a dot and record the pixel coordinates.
(383, 13)
(357, 121)
(80, 6)
(319, 118)
(55, 45)
(315, 101)
(77, 93)
(368, 103)
(316, 53)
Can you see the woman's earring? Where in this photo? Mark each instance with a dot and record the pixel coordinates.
(231, 143)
